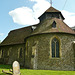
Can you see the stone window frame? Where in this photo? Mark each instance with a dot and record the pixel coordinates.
(51, 47)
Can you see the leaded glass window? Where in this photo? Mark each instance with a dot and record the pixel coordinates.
(55, 47)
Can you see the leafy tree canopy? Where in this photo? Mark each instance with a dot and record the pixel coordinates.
(0, 41)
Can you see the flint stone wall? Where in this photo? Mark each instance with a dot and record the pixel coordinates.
(44, 61)
(12, 53)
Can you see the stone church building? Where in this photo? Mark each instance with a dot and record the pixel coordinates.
(49, 45)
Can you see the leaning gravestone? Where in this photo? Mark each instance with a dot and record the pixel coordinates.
(16, 68)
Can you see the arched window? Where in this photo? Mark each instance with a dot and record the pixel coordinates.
(21, 53)
(2, 53)
(9, 51)
(55, 48)
(54, 25)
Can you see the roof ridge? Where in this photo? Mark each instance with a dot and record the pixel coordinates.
(19, 28)
(52, 9)
(23, 27)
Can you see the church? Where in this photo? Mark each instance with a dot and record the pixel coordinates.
(49, 45)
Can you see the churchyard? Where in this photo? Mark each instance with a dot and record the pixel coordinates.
(35, 72)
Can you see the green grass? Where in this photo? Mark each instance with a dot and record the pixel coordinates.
(36, 72)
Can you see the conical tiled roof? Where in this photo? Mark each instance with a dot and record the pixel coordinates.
(51, 9)
(46, 27)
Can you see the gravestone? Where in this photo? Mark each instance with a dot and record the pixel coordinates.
(16, 68)
(15, 71)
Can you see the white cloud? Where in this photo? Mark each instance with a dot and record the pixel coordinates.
(69, 18)
(27, 16)
(1, 34)
(23, 15)
(40, 7)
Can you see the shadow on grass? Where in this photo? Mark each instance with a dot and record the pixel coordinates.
(3, 74)
(9, 67)
(5, 66)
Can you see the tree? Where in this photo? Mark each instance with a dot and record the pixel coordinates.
(0, 41)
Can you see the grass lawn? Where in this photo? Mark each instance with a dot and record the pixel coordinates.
(36, 72)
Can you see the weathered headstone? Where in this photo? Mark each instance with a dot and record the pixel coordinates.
(15, 71)
(16, 68)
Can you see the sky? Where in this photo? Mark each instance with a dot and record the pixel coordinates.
(16, 14)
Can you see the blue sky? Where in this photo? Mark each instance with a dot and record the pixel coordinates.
(11, 10)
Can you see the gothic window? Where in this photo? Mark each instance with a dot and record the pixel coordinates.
(21, 53)
(55, 48)
(9, 51)
(54, 25)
